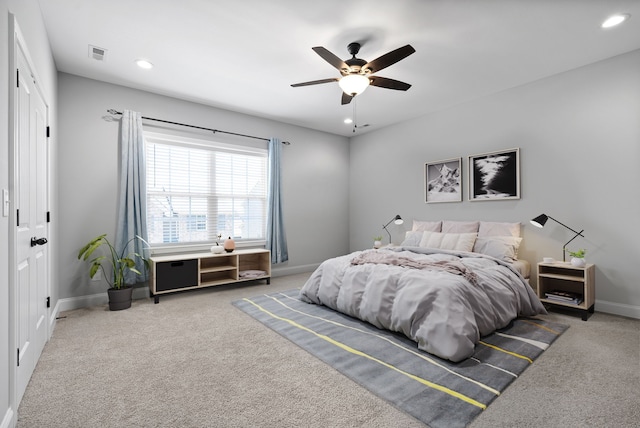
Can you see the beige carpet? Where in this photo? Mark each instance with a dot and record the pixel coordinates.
(194, 360)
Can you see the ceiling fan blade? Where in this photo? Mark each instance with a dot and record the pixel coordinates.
(389, 58)
(315, 82)
(346, 98)
(384, 82)
(331, 59)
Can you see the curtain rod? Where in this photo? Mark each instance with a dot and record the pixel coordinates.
(113, 111)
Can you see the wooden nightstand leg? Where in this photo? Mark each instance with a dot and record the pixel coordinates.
(588, 312)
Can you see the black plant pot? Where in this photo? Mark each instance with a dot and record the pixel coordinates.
(120, 299)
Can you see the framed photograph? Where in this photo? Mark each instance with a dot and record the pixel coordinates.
(443, 181)
(494, 176)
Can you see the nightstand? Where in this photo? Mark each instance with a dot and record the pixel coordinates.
(567, 286)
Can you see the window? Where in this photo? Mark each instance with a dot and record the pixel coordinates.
(198, 189)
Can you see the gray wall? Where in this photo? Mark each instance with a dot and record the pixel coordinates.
(579, 135)
(315, 174)
(27, 14)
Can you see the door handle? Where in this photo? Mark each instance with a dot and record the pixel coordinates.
(38, 241)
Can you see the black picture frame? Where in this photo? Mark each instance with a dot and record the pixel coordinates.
(495, 175)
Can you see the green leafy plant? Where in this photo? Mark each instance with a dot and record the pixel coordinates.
(377, 238)
(119, 264)
(577, 254)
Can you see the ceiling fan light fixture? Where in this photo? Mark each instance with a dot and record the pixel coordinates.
(353, 84)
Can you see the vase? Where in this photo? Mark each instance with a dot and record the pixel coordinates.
(217, 249)
(119, 298)
(377, 244)
(578, 262)
(229, 245)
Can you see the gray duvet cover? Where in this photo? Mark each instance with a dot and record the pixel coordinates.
(444, 300)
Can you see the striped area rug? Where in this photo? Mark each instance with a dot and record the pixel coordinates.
(435, 391)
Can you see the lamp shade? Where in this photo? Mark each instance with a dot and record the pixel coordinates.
(353, 84)
(540, 220)
(398, 219)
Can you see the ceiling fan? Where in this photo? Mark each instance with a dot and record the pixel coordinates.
(357, 73)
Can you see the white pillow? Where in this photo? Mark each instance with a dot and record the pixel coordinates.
(460, 226)
(489, 228)
(431, 226)
(501, 247)
(448, 241)
(412, 239)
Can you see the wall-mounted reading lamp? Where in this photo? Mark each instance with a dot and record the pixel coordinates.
(542, 219)
(397, 220)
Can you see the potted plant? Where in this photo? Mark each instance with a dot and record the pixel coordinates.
(577, 257)
(119, 264)
(377, 241)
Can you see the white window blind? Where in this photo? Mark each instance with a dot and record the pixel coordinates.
(198, 189)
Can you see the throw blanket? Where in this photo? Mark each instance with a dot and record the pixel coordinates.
(381, 257)
(433, 303)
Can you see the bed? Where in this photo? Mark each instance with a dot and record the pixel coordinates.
(444, 290)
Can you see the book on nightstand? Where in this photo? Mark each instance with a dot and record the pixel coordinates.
(564, 297)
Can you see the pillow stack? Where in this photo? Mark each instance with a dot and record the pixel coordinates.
(495, 239)
(499, 240)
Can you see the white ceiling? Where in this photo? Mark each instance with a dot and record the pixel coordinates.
(243, 55)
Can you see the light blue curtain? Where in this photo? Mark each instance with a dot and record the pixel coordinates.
(276, 238)
(132, 211)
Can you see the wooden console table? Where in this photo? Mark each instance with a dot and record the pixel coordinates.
(180, 272)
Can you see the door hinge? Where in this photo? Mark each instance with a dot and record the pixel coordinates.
(48, 131)
(48, 216)
(18, 357)
(18, 217)
(48, 301)
(17, 78)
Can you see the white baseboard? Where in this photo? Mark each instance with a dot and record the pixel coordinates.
(8, 421)
(621, 309)
(71, 303)
(283, 271)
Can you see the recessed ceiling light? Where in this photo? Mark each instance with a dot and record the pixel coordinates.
(614, 20)
(348, 121)
(143, 63)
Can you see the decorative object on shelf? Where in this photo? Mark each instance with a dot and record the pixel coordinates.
(120, 263)
(377, 241)
(494, 176)
(443, 181)
(542, 219)
(577, 258)
(229, 245)
(397, 220)
(217, 249)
